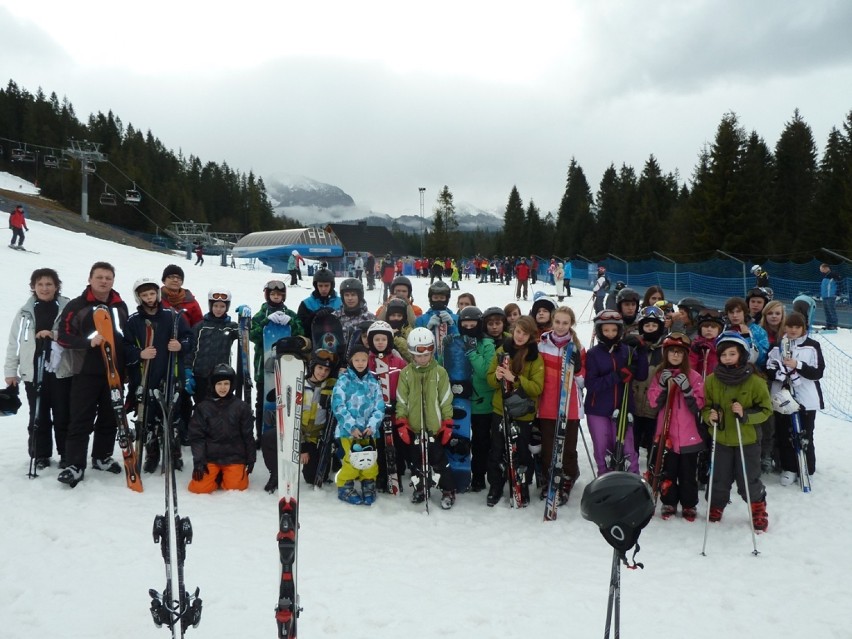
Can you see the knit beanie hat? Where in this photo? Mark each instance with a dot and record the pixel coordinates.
(172, 269)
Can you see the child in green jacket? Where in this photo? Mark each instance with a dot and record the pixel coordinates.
(734, 392)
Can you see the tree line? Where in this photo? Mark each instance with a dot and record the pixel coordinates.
(182, 188)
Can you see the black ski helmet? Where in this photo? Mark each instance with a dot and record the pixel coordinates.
(352, 285)
(323, 275)
(759, 291)
(439, 288)
(396, 305)
(10, 402)
(220, 373)
(468, 314)
(401, 280)
(691, 305)
(627, 294)
(621, 505)
(321, 357)
(491, 311)
(711, 316)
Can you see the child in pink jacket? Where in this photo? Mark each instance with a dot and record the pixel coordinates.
(678, 388)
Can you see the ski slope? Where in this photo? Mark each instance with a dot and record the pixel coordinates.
(79, 563)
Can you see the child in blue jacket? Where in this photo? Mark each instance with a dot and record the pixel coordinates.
(359, 408)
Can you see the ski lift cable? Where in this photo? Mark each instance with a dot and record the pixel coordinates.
(107, 185)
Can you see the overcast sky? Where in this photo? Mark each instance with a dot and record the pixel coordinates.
(380, 98)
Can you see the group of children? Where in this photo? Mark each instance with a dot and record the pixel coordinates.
(694, 384)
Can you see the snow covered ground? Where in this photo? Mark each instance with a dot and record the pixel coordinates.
(79, 563)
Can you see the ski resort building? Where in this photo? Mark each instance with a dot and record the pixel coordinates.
(274, 248)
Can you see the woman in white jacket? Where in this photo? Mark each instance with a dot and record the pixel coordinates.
(31, 334)
(797, 365)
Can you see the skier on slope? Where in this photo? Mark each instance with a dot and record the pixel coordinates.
(91, 408)
(151, 309)
(18, 224)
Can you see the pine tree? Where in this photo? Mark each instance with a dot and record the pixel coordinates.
(575, 223)
(536, 241)
(606, 211)
(754, 210)
(794, 190)
(514, 241)
(833, 200)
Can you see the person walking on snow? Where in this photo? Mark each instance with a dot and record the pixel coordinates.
(18, 224)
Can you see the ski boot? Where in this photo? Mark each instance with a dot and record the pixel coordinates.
(759, 516)
(347, 493)
(448, 498)
(271, 484)
(152, 456)
(495, 494)
(418, 495)
(42, 462)
(689, 514)
(107, 464)
(71, 475)
(477, 484)
(667, 512)
(368, 492)
(716, 514)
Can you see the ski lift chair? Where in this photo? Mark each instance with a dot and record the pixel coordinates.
(50, 161)
(107, 198)
(89, 167)
(132, 196)
(17, 155)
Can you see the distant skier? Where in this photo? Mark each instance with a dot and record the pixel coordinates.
(18, 224)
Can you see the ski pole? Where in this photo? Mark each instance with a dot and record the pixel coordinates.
(755, 552)
(710, 484)
(614, 602)
(41, 349)
(588, 454)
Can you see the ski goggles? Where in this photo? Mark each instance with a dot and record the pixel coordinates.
(276, 285)
(325, 355)
(220, 297)
(608, 316)
(676, 340)
(666, 307)
(423, 349)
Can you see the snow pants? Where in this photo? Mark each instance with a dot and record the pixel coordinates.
(497, 462)
(90, 410)
(53, 414)
(480, 444)
(569, 455)
(233, 477)
(784, 439)
(348, 472)
(603, 431)
(437, 461)
(728, 468)
(681, 470)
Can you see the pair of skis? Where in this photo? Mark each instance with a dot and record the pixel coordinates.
(557, 471)
(42, 355)
(174, 607)
(655, 474)
(383, 374)
(289, 391)
(797, 435)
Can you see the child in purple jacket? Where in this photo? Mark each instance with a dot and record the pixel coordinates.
(610, 367)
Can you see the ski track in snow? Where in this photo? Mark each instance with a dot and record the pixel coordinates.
(79, 563)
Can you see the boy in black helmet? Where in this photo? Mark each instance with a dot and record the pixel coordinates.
(323, 298)
(220, 433)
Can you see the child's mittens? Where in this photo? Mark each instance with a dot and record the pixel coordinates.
(403, 428)
(445, 433)
(434, 322)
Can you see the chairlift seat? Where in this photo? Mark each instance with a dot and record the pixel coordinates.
(50, 161)
(89, 167)
(132, 197)
(107, 199)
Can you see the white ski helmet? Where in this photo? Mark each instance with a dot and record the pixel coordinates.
(295, 253)
(362, 458)
(219, 295)
(420, 341)
(784, 403)
(377, 327)
(146, 282)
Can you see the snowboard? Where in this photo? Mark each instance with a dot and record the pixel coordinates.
(104, 326)
(272, 332)
(327, 335)
(460, 373)
(289, 384)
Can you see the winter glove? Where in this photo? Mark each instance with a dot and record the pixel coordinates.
(403, 428)
(469, 344)
(445, 433)
(199, 469)
(189, 384)
(576, 361)
(434, 322)
(446, 318)
(249, 468)
(626, 375)
(665, 376)
(52, 365)
(279, 317)
(683, 382)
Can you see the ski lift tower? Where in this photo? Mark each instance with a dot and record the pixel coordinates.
(88, 154)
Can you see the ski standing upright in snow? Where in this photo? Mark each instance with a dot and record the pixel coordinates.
(557, 472)
(289, 390)
(510, 441)
(800, 442)
(104, 326)
(174, 607)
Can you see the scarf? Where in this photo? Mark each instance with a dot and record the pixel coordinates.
(174, 299)
(733, 375)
